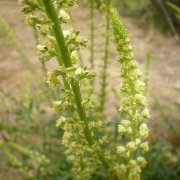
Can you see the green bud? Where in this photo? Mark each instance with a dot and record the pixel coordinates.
(52, 79)
(57, 106)
(63, 16)
(74, 57)
(121, 150)
(141, 161)
(144, 146)
(145, 114)
(141, 100)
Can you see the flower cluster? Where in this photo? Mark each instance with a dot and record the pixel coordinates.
(80, 127)
(83, 127)
(133, 104)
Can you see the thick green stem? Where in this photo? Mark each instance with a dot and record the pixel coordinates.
(52, 14)
(106, 56)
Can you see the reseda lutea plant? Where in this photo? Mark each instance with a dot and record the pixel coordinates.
(85, 136)
(133, 105)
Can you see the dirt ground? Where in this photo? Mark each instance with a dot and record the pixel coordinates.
(165, 70)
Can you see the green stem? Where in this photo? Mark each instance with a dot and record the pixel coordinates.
(92, 40)
(52, 14)
(92, 33)
(66, 83)
(106, 56)
(147, 71)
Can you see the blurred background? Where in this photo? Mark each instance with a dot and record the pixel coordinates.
(29, 141)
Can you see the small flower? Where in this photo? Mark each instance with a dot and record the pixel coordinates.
(41, 49)
(83, 74)
(137, 142)
(60, 122)
(137, 117)
(57, 106)
(31, 20)
(121, 150)
(52, 79)
(131, 146)
(144, 131)
(50, 41)
(120, 169)
(141, 161)
(133, 164)
(129, 130)
(145, 114)
(126, 123)
(44, 54)
(63, 16)
(66, 33)
(135, 74)
(74, 57)
(141, 100)
(121, 129)
(145, 146)
(139, 86)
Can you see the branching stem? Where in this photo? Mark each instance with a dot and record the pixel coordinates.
(52, 14)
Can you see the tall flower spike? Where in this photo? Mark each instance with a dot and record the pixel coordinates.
(80, 129)
(133, 103)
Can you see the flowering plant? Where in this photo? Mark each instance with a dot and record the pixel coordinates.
(86, 137)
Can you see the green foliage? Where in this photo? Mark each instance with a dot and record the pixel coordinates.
(163, 162)
(176, 8)
(26, 143)
(150, 13)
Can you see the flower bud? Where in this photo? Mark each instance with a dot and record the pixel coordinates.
(63, 16)
(121, 150)
(60, 122)
(120, 169)
(31, 20)
(121, 129)
(145, 146)
(141, 161)
(141, 100)
(57, 106)
(145, 114)
(144, 131)
(74, 57)
(131, 146)
(126, 123)
(52, 79)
